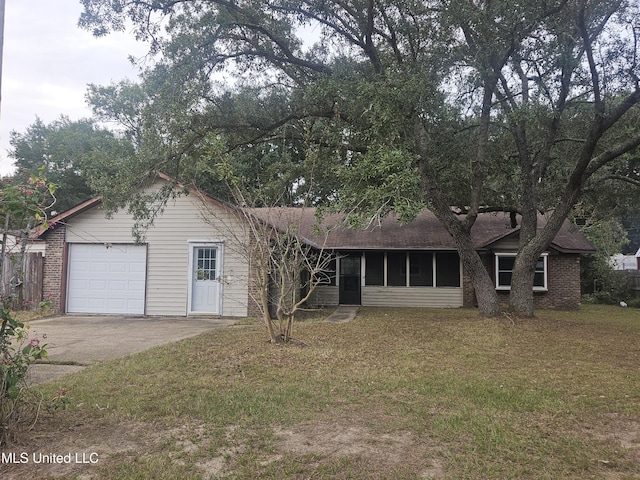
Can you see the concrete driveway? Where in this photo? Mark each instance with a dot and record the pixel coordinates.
(88, 339)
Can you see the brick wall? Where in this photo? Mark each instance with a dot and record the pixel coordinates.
(54, 267)
(563, 284)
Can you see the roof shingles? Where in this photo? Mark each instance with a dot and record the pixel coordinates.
(424, 233)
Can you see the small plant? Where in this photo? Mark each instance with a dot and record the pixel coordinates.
(59, 401)
(17, 352)
(44, 306)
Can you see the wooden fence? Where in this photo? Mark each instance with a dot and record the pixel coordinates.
(25, 289)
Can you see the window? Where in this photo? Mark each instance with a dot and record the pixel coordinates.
(205, 263)
(504, 270)
(447, 269)
(421, 269)
(374, 268)
(396, 269)
(540, 275)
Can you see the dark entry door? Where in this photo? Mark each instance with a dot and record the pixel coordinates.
(350, 280)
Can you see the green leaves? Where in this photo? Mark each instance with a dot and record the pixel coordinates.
(510, 105)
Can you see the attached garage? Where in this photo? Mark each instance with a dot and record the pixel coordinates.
(106, 278)
(95, 265)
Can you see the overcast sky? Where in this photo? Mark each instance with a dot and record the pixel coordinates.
(48, 62)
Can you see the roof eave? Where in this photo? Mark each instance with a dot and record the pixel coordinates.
(72, 212)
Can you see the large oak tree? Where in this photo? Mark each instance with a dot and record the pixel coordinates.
(465, 105)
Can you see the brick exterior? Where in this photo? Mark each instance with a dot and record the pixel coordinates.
(563, 279)
(52, 280)
(563, 282)
(253, 293)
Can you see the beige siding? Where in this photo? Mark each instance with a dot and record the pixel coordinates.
(440, 297)
(168, 251)
(507, 244)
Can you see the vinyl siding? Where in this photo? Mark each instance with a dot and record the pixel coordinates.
(507, 244)
(440, 297)
(168, 251)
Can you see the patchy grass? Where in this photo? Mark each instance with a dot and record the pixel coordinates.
(397, 393)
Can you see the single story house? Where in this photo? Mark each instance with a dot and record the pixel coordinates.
(625, 262)
(190, 264)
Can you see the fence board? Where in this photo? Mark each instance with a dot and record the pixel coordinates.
(27, 293)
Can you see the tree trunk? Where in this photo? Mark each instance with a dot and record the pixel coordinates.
(488, 304)
(521, 294)
(264, 302)
(522, 275)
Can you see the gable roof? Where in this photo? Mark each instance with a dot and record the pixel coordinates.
(426, 232)
(72, 212)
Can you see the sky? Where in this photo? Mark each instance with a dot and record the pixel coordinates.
(48, 63)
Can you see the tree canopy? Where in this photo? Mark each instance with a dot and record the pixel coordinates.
(68, 153)
(483, 105)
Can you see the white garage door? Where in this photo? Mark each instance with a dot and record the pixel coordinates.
(107, 279)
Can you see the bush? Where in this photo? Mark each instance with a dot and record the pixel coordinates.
(602, 284)
(17, 351)
(634, 303)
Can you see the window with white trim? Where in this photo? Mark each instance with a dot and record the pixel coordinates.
(504, 270)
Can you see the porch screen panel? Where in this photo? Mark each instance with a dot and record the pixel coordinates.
(421, 269)
(328, 275)
(397, 269)
(374, 268)
(447, 269)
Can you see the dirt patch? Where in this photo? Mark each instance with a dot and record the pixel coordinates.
(75, 450)
(86, 448)
(383, 452)
(619, 431)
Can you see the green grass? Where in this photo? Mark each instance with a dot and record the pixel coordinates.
(397, 393)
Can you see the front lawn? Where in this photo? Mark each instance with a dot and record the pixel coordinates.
(397, 394)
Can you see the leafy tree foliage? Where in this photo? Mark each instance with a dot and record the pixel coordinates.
(485, 105)
(68, 153)
(599, 280)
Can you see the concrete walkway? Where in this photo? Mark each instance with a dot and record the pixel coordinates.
(84, 340)
(344, 313)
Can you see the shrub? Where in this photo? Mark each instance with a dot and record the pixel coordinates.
(604, 284)
(634, 303)
(17, 352)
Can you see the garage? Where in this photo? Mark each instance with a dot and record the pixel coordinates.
(106, 278)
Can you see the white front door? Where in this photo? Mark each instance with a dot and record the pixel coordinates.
(206, 263)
